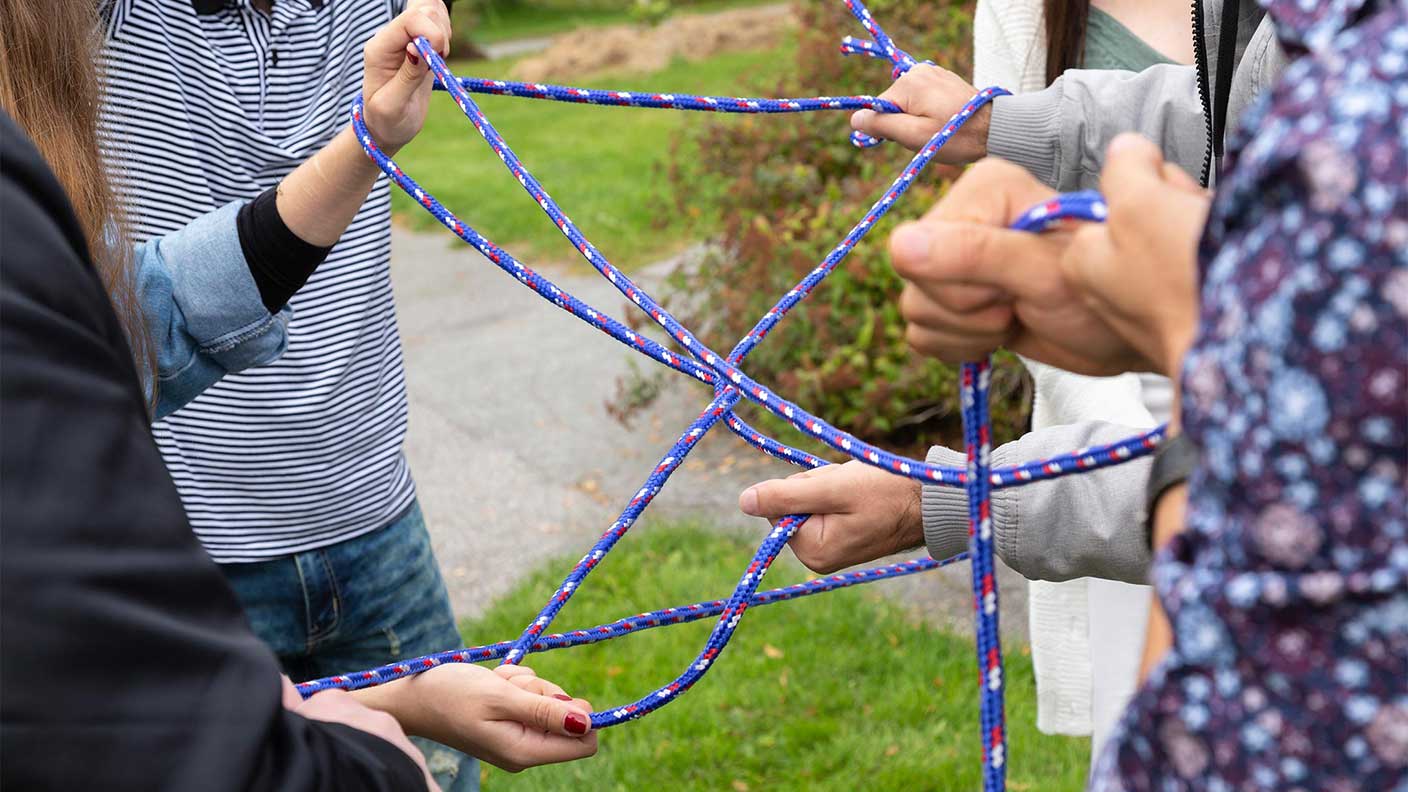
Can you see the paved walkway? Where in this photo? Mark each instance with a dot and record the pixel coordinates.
(515, 456)
(509, 48)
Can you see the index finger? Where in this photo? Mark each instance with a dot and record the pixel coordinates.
(415, 22)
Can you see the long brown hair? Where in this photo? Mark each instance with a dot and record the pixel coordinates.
(1065, 36)
(50, 85)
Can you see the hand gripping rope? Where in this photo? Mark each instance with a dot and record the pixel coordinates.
(731, 385)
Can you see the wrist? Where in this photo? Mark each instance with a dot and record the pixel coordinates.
(1168, 515)
(393, 698)
(388, 147)
(1174, 345)
(981, 124)
(1166, 491)
(911, 525)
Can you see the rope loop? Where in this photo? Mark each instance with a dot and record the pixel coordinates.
(731, 385)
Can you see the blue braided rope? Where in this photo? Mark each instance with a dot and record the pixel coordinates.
(883, 48)
(749, 388)
(669, 101)
(725, 398)
(730, 385)
(800, 419)
(682, 614)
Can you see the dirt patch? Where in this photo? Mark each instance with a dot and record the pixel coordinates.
(648, 49)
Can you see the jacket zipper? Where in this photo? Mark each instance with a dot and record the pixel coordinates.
(1200, 63)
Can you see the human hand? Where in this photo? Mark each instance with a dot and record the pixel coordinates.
(339, 706)
(506, 716)
(1100, 299)
(396, 85)
(858, 513)
(929, 97)
(1139, 269)
(292, 699)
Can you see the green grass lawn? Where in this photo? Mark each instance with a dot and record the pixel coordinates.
(550, 17)
(603, 165)
(840, 691)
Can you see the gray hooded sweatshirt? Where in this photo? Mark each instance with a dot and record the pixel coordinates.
(1089, 525)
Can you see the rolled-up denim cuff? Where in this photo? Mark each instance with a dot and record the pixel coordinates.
(216, 295)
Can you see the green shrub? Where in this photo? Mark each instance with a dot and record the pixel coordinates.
(792, 187)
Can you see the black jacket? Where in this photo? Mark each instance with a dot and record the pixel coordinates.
(125, 660)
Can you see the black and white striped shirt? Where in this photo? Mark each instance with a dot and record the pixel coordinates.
(213, 101)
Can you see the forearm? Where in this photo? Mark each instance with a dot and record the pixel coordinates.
(1168, 520)
(96, 543)
(203, 307)
(396, 698)
(319, 199)
(1066, 528)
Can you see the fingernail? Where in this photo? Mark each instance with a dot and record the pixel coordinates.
(748, 501)
(561, 697)
(910, 241)
(575, 723)
(415, 60)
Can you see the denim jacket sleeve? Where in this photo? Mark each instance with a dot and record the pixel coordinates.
(203, 308)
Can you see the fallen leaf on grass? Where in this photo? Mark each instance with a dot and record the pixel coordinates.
(892, 750)
(772, 651)
(740, 785)
(613, 671)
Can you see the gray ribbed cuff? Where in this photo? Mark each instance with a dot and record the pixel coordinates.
(945, 509)
(1026, 130)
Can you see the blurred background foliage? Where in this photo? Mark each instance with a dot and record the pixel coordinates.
(767, 197)
(785, 190)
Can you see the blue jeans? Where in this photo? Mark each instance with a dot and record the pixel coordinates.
(361, 603)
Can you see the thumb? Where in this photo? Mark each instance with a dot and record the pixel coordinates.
(936, 255)
(795, 495)
(545, 713)
(1133, 166)
(289, 693)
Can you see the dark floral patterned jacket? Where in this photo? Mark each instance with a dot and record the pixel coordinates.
(1287, 593)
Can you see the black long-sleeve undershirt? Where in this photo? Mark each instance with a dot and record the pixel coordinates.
(280, 261)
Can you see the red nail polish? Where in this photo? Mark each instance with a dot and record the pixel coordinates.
(575, 723)
(561, 697)
(415, 61)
